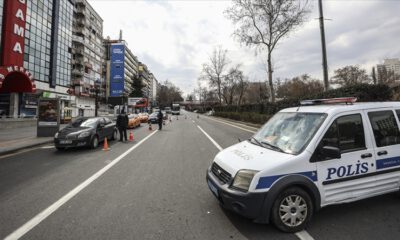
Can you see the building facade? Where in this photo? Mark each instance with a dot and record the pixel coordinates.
(87, 59)
(389, 71)
(153, 90)
(36, 38)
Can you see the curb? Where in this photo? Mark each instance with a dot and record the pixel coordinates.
(28, 146)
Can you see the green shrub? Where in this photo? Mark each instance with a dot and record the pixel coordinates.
(363, 92)
(251, 117)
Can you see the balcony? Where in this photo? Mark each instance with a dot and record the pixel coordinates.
(80, 3)
(77, 82)
(81, 22)
(77, 51)
(77, 72)
(78, 39)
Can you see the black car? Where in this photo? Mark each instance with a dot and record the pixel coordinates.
(85, 132)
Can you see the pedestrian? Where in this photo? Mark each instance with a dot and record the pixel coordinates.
(122, 125)
(160, 120)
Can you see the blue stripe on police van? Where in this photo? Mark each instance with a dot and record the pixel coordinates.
(388, 162)
(266, 182)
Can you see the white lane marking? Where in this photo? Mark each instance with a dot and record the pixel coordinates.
(21, 231)
(244, 129)
(47, 147)
(193, 121)
(211, 139)
(303, 235)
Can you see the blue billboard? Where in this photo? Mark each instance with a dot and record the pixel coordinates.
(117, 67)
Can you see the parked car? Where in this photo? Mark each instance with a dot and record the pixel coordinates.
(168, 110)
(153, 118)
(85, 132)
(165, 115)
(134, 121)
(322, 153)
(144, 117)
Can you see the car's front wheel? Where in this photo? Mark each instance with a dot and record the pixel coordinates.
(292, 210)
(95, 142)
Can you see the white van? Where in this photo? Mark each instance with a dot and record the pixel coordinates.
(330, 152)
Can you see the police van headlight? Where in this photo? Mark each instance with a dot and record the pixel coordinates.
(243, 179)
(56, 135)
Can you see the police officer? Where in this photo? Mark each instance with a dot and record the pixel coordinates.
(122, 124)
(160, 119)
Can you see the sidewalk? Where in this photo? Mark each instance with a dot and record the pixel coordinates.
(15, 139)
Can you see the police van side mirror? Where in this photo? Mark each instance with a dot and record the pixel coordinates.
(329, 152)
(325, 153)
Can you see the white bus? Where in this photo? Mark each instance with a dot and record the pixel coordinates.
(176, 109)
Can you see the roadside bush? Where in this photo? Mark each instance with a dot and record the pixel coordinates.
(259, 113)
(251, 117)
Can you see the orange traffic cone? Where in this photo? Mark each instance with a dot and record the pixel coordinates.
(105, 145)
(150, 128)
(131, 137)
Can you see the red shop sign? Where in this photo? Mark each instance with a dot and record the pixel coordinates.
(14, 32)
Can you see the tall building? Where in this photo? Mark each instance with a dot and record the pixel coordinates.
(121, 67)
(36, 38)
(145, 75)
(87, 58)
(389, 69)
(153, 90)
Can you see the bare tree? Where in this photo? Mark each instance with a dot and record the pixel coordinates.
(263, 23)
(301, 86)
(214, 70)
(350, 75)
(386, 76)
(374, 75)
(242, 86)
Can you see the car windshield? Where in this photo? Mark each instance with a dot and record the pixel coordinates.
(82, 122)
(289, 132)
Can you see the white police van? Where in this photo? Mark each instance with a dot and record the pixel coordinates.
(330, 152)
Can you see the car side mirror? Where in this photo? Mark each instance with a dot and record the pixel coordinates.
(329, 152)
(101, 125)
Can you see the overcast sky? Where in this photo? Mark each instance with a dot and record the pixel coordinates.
(174, 38)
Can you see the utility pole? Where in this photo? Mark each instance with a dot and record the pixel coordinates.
(324, 58)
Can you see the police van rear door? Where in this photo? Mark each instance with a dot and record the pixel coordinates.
(351, 176)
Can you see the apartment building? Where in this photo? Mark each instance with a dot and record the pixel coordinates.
(87, 58)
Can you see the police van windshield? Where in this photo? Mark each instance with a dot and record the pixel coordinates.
(289, 132)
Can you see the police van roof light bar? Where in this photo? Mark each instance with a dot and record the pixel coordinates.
(346, 100)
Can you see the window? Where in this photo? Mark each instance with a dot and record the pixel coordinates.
(386, 130)
(398, 114)
(345, 133)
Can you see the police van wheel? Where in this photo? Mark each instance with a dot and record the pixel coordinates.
(292, 210)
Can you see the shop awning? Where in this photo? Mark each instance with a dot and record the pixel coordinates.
(16, 80)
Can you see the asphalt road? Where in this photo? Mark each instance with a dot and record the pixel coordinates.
(155, 190)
